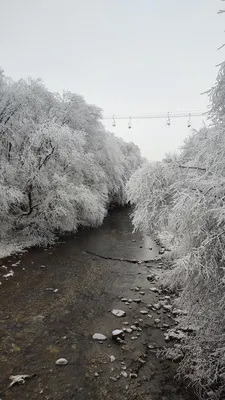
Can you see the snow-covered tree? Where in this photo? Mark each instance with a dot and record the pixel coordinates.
(59, 167)
(182, 199)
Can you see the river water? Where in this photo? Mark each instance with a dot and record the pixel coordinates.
(60, 296)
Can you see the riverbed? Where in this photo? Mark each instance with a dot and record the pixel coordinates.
(59, 296)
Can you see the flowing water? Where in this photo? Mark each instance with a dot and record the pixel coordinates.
(60, 296)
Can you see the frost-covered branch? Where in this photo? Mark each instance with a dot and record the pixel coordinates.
(44, 161)
(30, 207)
(192, 167)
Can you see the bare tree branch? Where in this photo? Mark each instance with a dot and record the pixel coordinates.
(192, 167)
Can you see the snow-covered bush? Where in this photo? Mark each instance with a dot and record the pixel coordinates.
(59, 168)
(183, 199)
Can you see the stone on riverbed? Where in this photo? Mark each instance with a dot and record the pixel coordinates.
(133, 375)
(154, 289)
(144, 312)
(117, 334)
(99, 336)
(157, 306)
(118, 313)
(129, 330)
(133, 327)
(61, 361)
(137, 301)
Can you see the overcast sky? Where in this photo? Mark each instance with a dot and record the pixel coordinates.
(126, 56)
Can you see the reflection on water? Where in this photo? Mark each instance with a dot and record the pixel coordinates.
(115, 239)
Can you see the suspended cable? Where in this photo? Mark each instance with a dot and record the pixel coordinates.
(166, 116)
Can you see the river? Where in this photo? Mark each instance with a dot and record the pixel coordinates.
(60, 296)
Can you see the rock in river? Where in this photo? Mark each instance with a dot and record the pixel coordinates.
(157, 306)
(154, 289)
(61, 361)
(117, 333)
(99, 336)
(129, 330)
(118, 313)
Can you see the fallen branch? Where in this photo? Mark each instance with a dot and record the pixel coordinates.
(119, 259)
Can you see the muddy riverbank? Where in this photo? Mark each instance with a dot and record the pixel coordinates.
(60, 296)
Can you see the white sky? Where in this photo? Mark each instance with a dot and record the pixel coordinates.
(126, 56)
